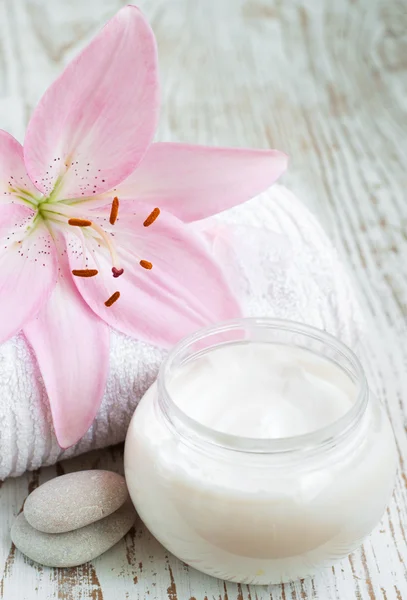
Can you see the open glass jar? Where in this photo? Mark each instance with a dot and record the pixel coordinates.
(254, 509)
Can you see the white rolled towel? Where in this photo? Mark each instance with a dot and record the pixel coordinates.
(282, 264)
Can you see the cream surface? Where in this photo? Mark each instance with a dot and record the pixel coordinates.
(262, 390)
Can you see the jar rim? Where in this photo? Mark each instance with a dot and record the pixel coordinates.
(328, 435)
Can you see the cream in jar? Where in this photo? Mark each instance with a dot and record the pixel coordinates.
(262, 391)
(260, 456)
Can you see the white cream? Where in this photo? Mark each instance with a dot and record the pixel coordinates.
(259, 517)
(262, 390)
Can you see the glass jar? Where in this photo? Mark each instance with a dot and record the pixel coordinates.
(256, 510)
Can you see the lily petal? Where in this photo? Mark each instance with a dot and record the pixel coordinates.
(184, 290)
(14, 220)
(72, 348)
(13, 174)
(194, 182)
(28, 267)
(94, 124)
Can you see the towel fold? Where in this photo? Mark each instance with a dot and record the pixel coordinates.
(281, 264)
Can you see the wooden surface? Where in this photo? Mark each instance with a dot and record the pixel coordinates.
(325, 81)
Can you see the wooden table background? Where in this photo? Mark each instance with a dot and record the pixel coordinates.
(326, 82)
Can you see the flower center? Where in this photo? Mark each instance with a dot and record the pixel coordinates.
(64, 214)
(68, 215)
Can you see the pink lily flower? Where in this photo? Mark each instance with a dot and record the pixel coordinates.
(94, 217)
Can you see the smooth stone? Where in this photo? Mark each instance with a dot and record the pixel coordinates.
(74, 500)
(74, 547)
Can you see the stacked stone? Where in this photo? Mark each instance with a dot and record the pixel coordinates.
(74, 518)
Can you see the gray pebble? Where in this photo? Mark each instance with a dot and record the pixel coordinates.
(75, 500)
(74, 547)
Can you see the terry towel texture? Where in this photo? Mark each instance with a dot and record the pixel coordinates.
(282, 265)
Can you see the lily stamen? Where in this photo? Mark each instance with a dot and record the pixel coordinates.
(106, 237)
(79, 222)
(59, 210)
(151, 217)
(85, 272)
(113, 298)
(114, 211)
(146, 264)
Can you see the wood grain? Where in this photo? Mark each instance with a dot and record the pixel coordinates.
(324, 81)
